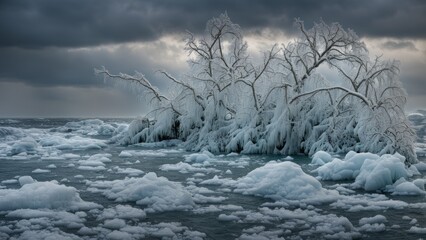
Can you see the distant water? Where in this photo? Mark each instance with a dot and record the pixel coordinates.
(255, 214)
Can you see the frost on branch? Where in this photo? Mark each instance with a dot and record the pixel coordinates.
(283, 104)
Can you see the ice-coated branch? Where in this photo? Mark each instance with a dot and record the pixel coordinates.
(327, 89)
(141, 80)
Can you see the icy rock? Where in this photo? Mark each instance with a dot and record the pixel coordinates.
(282, 180)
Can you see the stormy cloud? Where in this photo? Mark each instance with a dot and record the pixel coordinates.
(76, 23)
(51, 45)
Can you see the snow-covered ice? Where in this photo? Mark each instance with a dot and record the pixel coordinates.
(268, 181)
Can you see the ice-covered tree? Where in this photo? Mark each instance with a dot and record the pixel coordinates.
(322, 91)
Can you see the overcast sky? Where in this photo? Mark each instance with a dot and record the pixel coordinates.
(49, 48)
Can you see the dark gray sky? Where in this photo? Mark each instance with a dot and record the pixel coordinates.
(48, 48)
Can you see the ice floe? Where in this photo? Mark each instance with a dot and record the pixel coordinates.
(149, 190)
(283, 180)
(35, 195)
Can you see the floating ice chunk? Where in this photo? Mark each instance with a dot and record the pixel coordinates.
(70, 156)
(142, 153)
(91, 127)
(25, 180)
(186, 168)
(232, 154)
(198, 198)
(219, 181)
(25, 145)
(227, 218)
(158, 193)
(51, 166)
(370, 220)
(114, 223)
(38, 170)
(125, 154)
(42, 195)
(346, 169)
(283, 180)
(92, 168)
(132, 172)
(122, 212)
(410, 188)
(321, 158)
(199, 157)
(370, 171)
(413, 221)
(239, 163)
(60, 218)
(45, 234)
(374, 227)
(9, 181)
(263, 235)
(421, 166)
(100, 157)
(119, 235)
(288, 158)
(86, 231)
(228, 171)
(377, 174)
(417, 230)
(90, 163)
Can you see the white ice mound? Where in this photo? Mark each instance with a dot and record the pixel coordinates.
(377, 174)
(158, 193)
(34, 195)
(321, 158)
(282, 181)
(370, 171)
(199, 157)
(345, 169)
(403, 187)
(27, 145)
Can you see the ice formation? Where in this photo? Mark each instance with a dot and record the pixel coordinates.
(285, 104)
(282, 180)
(370, 171)
(35, 195)
(149, 190)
